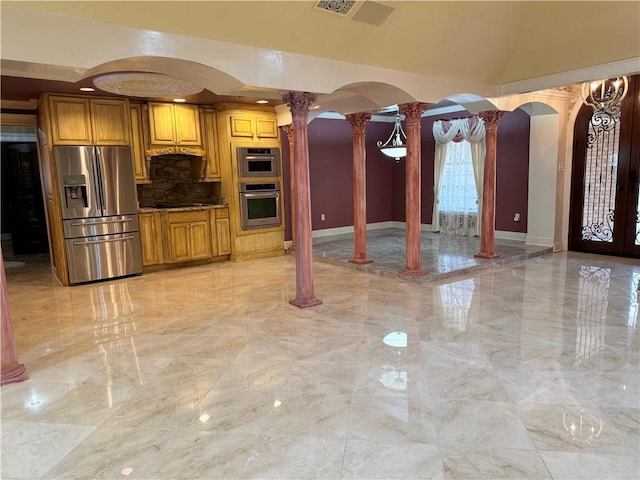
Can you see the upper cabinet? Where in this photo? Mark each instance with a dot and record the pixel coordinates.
(88, 121)
(208, 166)
(140, 165)
(174, 125)
(253, 125)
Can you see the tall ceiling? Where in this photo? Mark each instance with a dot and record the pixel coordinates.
(491, 43)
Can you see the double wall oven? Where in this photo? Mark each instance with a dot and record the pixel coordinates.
(259, 195)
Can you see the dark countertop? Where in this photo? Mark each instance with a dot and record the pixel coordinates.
(179, 208)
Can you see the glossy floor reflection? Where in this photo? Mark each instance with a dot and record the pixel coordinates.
(526, 371)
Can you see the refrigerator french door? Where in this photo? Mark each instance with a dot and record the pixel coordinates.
(99, 211)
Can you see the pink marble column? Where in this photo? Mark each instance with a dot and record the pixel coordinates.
(488, 228)
(412, 113)
(288, 129)
(358, 122)
(299, 103)
(12, 371)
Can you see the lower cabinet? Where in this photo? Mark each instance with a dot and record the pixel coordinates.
(183, 236)
(223, 231)
(151, 238)
(190, 236)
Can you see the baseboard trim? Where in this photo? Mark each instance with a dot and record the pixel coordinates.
(424, 227)
(504, 235)
(540, 241)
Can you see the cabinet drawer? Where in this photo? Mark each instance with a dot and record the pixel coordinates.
(222, 212)
(186, 217)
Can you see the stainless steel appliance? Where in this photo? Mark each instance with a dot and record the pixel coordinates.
(260, 205)
(99, 211)
(258, 162)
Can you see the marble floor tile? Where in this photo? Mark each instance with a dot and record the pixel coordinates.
(504, 463)
(523, 368)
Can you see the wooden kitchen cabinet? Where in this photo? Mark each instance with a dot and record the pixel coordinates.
(253, 125)
(190, 236)
(223, 231)
(88, 121)
(151, 238)
(208, 167)
(137, 144)
(174, 124)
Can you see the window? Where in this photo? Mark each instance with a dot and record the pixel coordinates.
(458, 198)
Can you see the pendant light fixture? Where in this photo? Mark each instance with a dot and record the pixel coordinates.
(396, 144)
(604, 94)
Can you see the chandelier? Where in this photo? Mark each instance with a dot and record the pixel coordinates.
(604, 94)
(396, 145)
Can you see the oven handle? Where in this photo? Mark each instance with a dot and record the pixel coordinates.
(262, 194)
(93, 242)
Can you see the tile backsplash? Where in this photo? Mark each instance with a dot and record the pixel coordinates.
(172, 183)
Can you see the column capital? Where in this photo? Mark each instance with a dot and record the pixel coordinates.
(491, 117)
(358, 121)
(299, 102)
(289, 131)
(412, 111)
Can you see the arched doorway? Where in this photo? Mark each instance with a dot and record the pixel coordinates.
(605, 195)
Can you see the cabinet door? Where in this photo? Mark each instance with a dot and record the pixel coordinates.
(187, 125)
(161, 131)
(70, 121)
(137, 144)
(179, 242)
(110, 122)
(266, 127)
(210, 137)
(223, 236)
(241, 126)
(200, 240)
(149, 236)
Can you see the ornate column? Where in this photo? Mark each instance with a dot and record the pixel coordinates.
(358, 122)
(12, 371)
(299, 103)
(488, 224)
(412, 113)
(288, 129)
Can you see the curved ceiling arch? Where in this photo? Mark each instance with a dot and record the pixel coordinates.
(471, 102)
(202, 75)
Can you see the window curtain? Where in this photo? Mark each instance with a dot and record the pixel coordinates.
(444, 131)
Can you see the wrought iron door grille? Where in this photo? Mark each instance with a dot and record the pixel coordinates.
(601, 175)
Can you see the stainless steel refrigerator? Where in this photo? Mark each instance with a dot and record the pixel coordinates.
(99, 211)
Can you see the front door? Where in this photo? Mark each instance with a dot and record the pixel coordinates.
(605, 192)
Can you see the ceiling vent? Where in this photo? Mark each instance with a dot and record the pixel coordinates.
(373, 13)
(370, 12)
(340, 7)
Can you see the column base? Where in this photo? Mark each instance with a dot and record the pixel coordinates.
(414, 272)
(486, 255)
(305, 302)
(360, 261)
(17, 374)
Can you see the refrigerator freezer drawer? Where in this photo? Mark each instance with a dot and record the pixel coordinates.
(107, 256)
(89, 227)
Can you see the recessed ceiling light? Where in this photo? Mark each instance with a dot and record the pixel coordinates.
(262, 102)
(179, 100)
(87, 89)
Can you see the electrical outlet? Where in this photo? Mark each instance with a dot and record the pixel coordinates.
(516, 217)
(322, 217)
